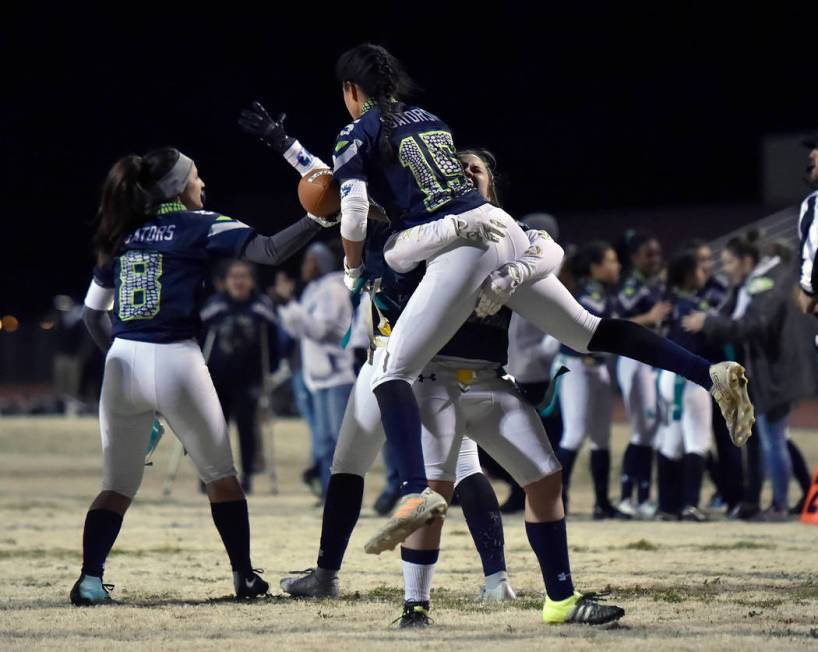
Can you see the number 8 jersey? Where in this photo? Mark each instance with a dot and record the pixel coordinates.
(422, 181)
(156, 282)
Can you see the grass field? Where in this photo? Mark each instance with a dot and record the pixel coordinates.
(719, 585)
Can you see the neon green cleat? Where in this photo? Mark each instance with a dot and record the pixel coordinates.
(580, 608)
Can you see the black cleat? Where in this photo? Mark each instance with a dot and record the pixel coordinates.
(89, 591)
(250, 586)
(415, 614)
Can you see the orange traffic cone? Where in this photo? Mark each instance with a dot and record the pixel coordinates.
(810, 511)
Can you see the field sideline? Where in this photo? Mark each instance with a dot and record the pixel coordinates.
(684, 586)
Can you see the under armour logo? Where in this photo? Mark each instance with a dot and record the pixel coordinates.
(432, 377)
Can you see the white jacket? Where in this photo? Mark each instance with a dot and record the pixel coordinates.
(320, 320)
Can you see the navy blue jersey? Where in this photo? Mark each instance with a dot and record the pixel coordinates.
(713, 293)
(684, 304)
(159, 274)
(596, 299)
(239, 330)
(638, 294)
(422, 181)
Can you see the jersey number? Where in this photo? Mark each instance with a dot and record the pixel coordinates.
(433, 161)
(139, 287)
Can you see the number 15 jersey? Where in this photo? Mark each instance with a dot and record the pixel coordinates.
(421, 181)
(157, 279)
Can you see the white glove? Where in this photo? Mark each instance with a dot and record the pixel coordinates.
(326, 222)
(478, 228)
(352, 274)
(498, 288)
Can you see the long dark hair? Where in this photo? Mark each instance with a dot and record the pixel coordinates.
(490, 162)
(745, 246)
(129, 197)
(590, 253)
(382, 78)
(680, 268)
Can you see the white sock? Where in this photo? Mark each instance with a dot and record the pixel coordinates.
(417, 581)
(493, 580)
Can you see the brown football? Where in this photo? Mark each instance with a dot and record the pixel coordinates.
(319, 194)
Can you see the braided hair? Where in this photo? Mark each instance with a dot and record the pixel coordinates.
(382, 77)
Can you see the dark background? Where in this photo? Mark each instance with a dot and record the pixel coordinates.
(594, 114)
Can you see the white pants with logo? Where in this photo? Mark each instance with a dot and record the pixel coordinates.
(489, 412)
(448, 294)
(686, 417)
(142, 378)
(586, 402)
(638, 384)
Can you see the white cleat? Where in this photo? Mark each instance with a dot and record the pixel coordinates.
(626, 507)
(500, 593)
(646, 511)
(412, 512)
(730, 391)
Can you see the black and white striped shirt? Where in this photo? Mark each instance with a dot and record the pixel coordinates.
(808, 232)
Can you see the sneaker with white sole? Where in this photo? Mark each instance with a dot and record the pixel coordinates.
(249, 586)
(730, 391)
(646, 510)
(500, 593)
(89, 591)
(413, 511)
(626, 507)
(312, 583)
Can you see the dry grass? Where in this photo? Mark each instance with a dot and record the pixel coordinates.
(684, 586)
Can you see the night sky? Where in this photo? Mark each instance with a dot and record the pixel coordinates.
(585, 109)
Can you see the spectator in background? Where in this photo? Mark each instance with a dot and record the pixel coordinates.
(765, 324)
(725, 469)
(240, 329)
(641, 300)
(283, 292)
(73, 347)
(319, 320)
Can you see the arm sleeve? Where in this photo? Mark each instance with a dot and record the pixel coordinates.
(98, 323)
(354, 209)
(721, 329)
(406, 250)
(302, 160)
(808, 232)
(275, 249)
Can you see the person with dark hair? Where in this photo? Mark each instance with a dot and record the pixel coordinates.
(725, 468)
(765, 324)
(404, 156)
(641, 300)
(457, 382)
(154, 245)
(586, 393)
(684, 437)
(240, 328)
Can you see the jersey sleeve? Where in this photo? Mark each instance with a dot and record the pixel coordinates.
(350, 154)
(227, 237)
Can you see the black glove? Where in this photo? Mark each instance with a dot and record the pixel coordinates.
(257, 122)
